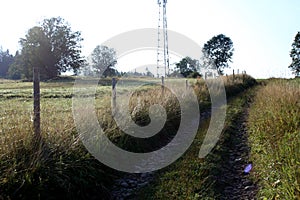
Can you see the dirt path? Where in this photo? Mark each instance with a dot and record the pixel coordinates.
(232, 182)
(127, 186)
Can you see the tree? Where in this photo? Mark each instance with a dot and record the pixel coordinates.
(295, 55)
(6, 59)
(219, 50)
(30, 55)
(53, 46)
(104, 60)
(148, 73)
(86, 70)
(36, 53)
(15, 69)
(187, 67)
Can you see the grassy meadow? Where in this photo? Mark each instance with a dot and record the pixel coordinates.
(62, 167)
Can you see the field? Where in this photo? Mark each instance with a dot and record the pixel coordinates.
(62, 167)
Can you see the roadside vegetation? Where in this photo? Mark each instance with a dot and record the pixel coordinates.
(62, 167)
(192, 177)
(274, 125)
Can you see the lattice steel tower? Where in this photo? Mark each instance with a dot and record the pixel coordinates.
(163, 62)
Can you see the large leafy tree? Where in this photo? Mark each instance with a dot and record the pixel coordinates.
(219, 51)
(104, 60)
(187, 67)
(36, 53)
(33, 55)
(295, 55)
(53, 46)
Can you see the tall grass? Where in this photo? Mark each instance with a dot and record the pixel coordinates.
(62, 167)
(274, 124)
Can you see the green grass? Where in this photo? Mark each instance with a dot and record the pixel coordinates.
(61, 166)
(191, 177)
(274, 123)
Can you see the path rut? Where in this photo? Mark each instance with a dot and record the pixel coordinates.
(232, 182)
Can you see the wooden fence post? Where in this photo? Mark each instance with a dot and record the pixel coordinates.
(163, 81)
(233, 75)
(186, 84)
(244, 76)
(114, 94)
(36, 104)
(163, 85)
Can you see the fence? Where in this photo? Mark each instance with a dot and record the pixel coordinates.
(36, 96)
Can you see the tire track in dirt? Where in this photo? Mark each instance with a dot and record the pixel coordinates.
(128, 186)
(232, 182)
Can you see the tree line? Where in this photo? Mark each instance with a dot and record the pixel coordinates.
(55, 48)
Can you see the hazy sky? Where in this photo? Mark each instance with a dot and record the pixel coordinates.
(262, 31)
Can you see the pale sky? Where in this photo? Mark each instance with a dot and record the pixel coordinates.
(262, 31)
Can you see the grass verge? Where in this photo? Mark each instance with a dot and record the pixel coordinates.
(274, 123)
(191, 177)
